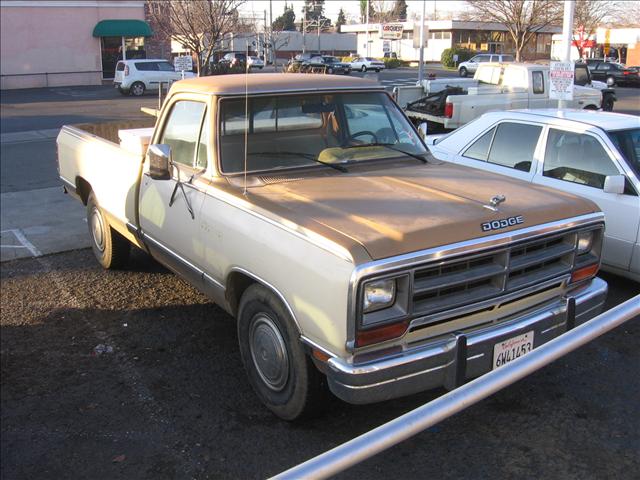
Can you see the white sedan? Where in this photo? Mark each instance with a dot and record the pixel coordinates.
(255, 62)
(592, 154)
(367, 63)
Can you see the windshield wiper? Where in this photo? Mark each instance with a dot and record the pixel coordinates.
(308, 156)
(390, 146)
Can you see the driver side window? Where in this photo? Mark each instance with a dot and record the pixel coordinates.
(182, 133)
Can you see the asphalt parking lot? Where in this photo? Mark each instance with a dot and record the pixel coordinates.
(134, 374)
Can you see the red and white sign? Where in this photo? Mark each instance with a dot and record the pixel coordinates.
(391, 31)
(561, 80)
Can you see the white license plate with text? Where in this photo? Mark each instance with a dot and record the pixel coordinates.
(515, 347)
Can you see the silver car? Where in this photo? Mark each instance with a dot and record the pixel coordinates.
(471, 65)
(367, 63)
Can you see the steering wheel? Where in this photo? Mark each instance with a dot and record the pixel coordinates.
(364, 132)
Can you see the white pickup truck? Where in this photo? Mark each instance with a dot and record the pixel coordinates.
(450, 103)
(308, 207)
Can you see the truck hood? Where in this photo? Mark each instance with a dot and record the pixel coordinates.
(402, 208)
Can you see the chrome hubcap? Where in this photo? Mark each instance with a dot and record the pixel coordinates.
(269, 352)
(137, 90)
(97, 229)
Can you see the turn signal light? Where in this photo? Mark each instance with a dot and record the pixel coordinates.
(448, 110)
(584, 273)
(380, 334)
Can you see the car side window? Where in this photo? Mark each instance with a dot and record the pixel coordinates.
(537, 82)
(165, 67)
(514, 145)
(479, 150)
(603, 66)
(578, 158)
(182, 130)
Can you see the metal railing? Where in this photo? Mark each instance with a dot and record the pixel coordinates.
(391, 433)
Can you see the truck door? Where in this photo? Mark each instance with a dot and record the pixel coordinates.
(578, 163)
(170, 209)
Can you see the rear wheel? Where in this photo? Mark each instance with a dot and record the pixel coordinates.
(611, 81)
(463, 72)
(280, 372)
(377, 70)
(329, 70)
(109, 247)
(137, 89)
(607, 103)
(363, 68)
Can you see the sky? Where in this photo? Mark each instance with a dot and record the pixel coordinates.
(351, 7)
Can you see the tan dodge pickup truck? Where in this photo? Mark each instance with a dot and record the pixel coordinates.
(308, 207)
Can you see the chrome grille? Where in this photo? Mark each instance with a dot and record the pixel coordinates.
(476, 278)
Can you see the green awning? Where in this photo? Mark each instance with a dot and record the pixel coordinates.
(122, 28)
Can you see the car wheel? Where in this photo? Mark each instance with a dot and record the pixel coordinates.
(282, 375)
(137, 89)
(611, 81)
(377, 70)
(109, 247)
(363, 69)
(329, 71)
(607, 103)
(463, 72)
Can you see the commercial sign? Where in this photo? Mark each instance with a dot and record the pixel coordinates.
(183, 63)
(416, 35)
(391, 31)
(561, 80)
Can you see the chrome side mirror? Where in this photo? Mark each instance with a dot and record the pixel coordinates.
(159, 161)
(614, 184)
(422, 130)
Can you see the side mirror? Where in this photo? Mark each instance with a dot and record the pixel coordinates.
(422, 130)
(614, 184)
(159, 161)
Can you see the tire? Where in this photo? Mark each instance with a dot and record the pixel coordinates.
(282, 375)
(611, 81)
(109, 247)
(607, 103)
(463, 72)
(137, 89)
(377, 70)
(329, 71)
(363, 68)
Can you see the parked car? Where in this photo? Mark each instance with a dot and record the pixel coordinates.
(582, 77)
(137, 76)
(349, 257)
(367, 63)
(592, 154)
(615, 74)
(234, 58)
(328, 63)
(471, 65)
(255, 62)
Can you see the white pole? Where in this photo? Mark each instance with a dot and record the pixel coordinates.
(421, 64)
(367, 50)
(124, 49)
(567, 34)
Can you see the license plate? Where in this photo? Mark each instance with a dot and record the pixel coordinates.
(515, 347)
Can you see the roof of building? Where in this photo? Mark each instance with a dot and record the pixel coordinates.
(238, 84)
(604, 120)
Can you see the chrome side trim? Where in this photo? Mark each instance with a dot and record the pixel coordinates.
(272, 288)
(439, 253)
(68, 184)
(173, 254)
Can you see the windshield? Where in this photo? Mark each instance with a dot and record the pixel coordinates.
(628, 144)
(304, 130)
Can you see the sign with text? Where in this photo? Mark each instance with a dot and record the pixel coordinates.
(416, 35)
(183, 63)
(391, 31)
(561, 80)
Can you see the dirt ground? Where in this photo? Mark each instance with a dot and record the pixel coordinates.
(134, 374)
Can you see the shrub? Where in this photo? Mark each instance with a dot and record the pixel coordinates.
(464, 54)
(347, 59)
(392, 62)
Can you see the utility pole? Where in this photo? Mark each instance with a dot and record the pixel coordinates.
(421, 65)
(567, 34)
(271, 32)
(367, 49)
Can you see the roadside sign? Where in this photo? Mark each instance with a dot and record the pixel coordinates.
(386, 46)
(455, 58)
(561, 80)
(183, 63)
(391, 31)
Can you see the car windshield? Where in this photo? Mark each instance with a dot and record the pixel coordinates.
(330, 59)
(306, 130)
(628, 144)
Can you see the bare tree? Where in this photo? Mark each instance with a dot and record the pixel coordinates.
(198, 25)
(591, 14)
(383, 11)
(522, 18)
(625, 15)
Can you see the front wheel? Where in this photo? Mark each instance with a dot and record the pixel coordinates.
(329, 71)
(611, 81)
(281, 374)
(109, 247)
(364, 68)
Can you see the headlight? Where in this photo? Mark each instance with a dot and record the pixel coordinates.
(378, 294)
(585, 242)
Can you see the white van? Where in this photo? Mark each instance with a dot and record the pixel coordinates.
(137, 76)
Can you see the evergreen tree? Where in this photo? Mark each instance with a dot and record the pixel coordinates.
(342, 19)
(286, 21)
(400, 10)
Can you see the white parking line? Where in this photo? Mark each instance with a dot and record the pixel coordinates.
(23, 240)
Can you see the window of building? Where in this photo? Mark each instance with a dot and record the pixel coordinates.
(578, 158)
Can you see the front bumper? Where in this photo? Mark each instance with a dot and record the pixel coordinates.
(461, 356)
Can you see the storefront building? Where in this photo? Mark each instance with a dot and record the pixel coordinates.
(443, 34)
(48, 43)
